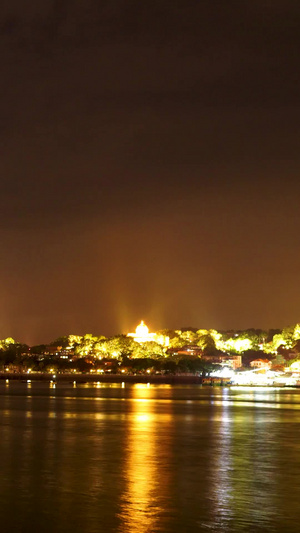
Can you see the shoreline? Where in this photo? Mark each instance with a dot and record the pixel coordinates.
(111, 378)
(78, 378)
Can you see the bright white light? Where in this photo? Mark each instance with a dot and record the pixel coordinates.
(252, 378)
(224, 372)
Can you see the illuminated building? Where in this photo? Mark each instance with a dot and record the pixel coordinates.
(261, 364)
(188, 349)
(142, 335)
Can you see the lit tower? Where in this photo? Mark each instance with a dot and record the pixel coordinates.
(142, 335)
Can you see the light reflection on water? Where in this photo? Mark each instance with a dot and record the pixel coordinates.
(241, 489)
(144, 495)
(148, 458)
(222, 497)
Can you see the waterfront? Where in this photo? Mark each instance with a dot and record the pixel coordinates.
(139, 458)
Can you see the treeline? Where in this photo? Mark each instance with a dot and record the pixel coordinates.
(82, 350)
(165, 365)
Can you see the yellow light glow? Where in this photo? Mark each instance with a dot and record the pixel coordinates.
(238, 345)
(142, 335)
(142, 330)
(141, 473)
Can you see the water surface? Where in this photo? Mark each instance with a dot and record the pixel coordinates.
(137, 458)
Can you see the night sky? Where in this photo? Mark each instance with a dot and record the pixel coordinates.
(150, 162)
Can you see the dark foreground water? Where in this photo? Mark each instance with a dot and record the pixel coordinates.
(144, 459)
